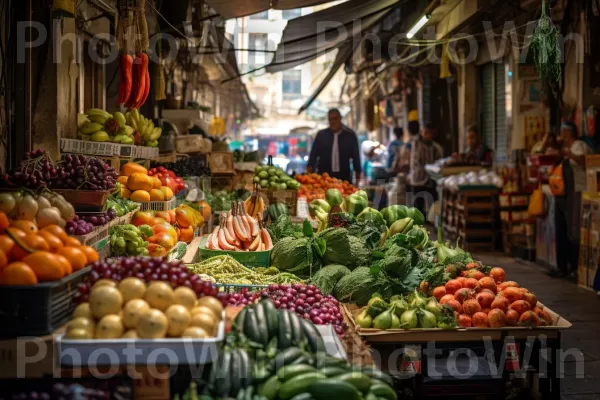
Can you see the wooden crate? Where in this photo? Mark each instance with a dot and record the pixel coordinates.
(221, 163)
(287, 197)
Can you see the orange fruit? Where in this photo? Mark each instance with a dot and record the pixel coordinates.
(15, 233)
(156, 183)
(25, 226)
(90, 253)
(75, 256)
(156, 195)
(4, 223)
(141, 196)
(71, 241)
(53, 241)
(56, 231)
(130, 168)
(29, 244)
(6, 244)
(65, 264)
(122, 180)
(46, 266)
(18, 273)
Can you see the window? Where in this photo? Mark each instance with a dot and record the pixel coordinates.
(492, 109)
(292, 84)
(257, 41)
(260, 15)
(291, 14)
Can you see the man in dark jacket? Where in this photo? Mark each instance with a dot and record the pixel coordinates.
(333, 149)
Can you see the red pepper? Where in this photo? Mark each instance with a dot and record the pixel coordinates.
(125, 77)
(147, 84)
(134, 83)
(141, 68)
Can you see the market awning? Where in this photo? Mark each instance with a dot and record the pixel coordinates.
(241, 8)
(310, 36)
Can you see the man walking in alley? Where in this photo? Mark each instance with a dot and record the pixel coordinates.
(333, 150)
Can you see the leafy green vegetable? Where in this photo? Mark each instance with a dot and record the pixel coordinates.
(327, 277)
(370, 232)
(359, 286)
(340, 220)
(283, 227)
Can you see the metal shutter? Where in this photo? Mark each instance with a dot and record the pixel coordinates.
(486, 102)
(501, 147)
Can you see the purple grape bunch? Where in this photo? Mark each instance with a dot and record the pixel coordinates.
(85, 173)
(78, 226)
(99, 219)
(36, 170)
(149, 269)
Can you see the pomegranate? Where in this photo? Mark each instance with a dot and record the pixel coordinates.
(455, 305)
(446, 298)
(486, 311)
(475, 274)
(463, 294)
(488, 291)
(512, 318)
(520, 306)
(462, 280)
(470, 283)
(473, 265)
(464, 321)
(452, 286)
(507, 284)
(480, 320)
(543, 315)
(530, 298)
(529, 318)
(485, 299)
(500, 303)
(498, 274)
(486, 283)
(512, 294)
(497, 318)
(471, 306)
(439, 292)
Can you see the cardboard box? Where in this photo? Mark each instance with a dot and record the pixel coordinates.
(26, 357)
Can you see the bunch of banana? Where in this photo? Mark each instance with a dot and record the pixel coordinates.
(101, 126)
(254, 205)
(145, 127)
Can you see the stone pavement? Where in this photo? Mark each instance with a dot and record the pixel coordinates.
(579, 306)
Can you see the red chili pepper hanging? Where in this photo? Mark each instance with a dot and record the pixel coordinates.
(147, 85)
(134, 83)
(126, 66)
(141, 69)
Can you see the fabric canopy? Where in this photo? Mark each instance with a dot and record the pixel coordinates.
(241, 8)
(308, 37)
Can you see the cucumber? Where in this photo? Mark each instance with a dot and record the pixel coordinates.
(286, 357)
(235, 371)
(378, 374)
(288, 372)
(382, 390)
(222, 382)
(371, 396)
(297, 333)
(261, 321)
(315, 341)
(272, 316)
(303, 396)
(270, 388)
(299, 384)
(246, 368)
(303, 359)
(239, 319)
(284, 337)
(322, 390)
(251, 327)
(357, 379)
(333, 371)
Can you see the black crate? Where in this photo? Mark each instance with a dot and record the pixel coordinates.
(40, 309)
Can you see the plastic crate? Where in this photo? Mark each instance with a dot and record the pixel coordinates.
(159, 205)
(39, 309)
(252, 259)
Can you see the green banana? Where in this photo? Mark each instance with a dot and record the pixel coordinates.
(100, 136)
(119, 138)
(156, 132)
(99, 119)
(98, 111)
(82, 119)
(125, 131)
(127, 140)
(120, 118)
(90, 128)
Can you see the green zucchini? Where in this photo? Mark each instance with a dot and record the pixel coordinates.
(303, 359)
(378, 374)
(246, 368)
(322, 390)
(251, 327)
(288, 372)
(385, 391)
(333, 371)
(286, 357)
(357, 379)
(297, 334)
(272, 316)
(315, 341)
(241, 394)
(270, 388)
(371, 396)
(222, 384)
(261, 321)
(299, 384)
(303, 396)
(239, 319)
(249, 393)
(235, 371)
(284, 337)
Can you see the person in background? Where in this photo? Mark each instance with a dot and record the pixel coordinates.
(548, 145)
(476, 148)
(567, 208)
(422, 150)
(334, 149)
(395, 146)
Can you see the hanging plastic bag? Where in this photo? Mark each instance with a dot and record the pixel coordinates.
(536, 203)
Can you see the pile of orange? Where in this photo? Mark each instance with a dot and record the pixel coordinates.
(137, 185)
(29, 255)
(314, 186)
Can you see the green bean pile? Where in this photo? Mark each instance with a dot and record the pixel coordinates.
(226, 270)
